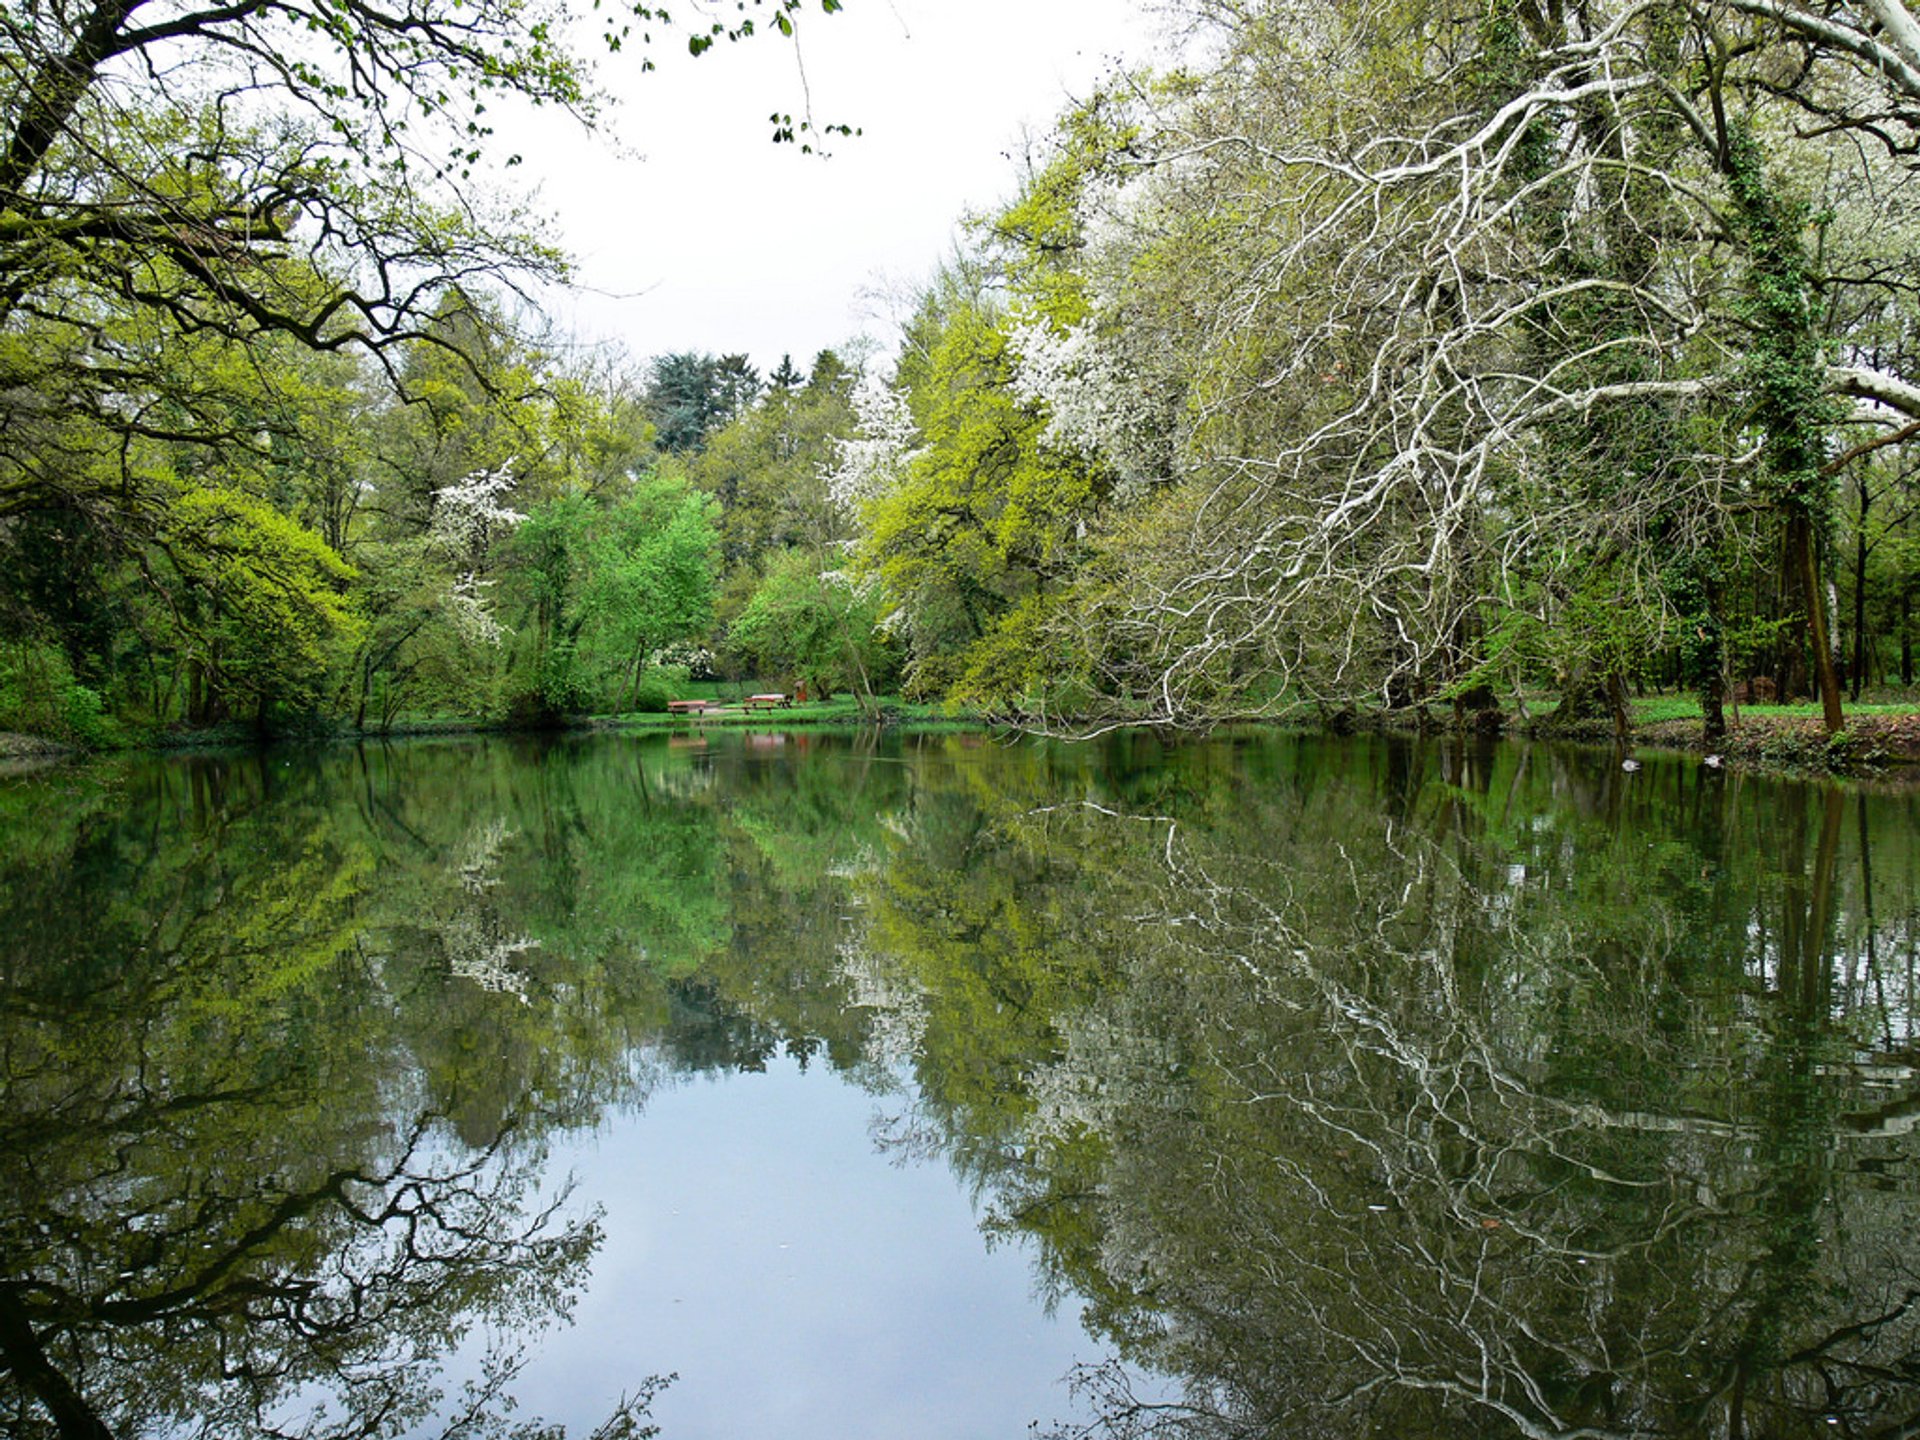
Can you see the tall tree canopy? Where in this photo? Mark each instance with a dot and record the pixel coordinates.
(691, 395)
(229, 234)
(1489, 343)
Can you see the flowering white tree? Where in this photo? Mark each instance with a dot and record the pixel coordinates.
(1104, 361)
(468, 517)
(879, 453)
(428, 605)
(1097, 404)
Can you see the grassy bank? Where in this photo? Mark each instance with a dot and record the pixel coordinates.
(1879, 732)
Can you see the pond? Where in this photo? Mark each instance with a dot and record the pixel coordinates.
(930, 1084)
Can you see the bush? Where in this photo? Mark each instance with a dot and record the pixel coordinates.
(551, 693)
(659, 685)
(1842, 753)
(86, 718)
(40, 696)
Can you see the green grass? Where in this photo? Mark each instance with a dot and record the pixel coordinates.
(1651, 709)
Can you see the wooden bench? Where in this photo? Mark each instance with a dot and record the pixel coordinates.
(688, 707)
(765, 702)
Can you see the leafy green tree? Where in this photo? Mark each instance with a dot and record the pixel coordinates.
(651, 577)
(599, 587)
(210, 220)
(1385, 414)
(168, 562)
(767, 468)
(428, 604)
(986, 514)
(548, 559)
(824, 628)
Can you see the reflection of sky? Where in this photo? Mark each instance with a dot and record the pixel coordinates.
(800, 1283)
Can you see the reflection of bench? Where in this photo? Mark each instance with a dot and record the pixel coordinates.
(764, 702)
(688, 707)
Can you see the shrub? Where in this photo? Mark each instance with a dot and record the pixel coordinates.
(659, 685)
(40, 696)
(1842, 753)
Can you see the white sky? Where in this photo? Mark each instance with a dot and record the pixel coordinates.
(706, 236)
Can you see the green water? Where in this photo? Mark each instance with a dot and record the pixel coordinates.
(1272, 1087)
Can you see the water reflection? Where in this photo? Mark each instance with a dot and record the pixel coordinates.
(1356, 1088)
(227, 1188)
(1400, 1091)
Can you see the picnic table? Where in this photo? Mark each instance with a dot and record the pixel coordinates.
(765, 702)
(688, 707)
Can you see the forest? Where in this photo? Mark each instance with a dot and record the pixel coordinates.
(1467, 354)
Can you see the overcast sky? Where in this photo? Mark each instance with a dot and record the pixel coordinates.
(704, 235)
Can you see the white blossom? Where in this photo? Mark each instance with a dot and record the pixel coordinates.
(1105, 397)
(466, 517)
(467, 610)
(467, 513)
(877, 457)
(1096, 403)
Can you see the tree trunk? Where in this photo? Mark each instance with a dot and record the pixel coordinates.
(1710, 657)
(1801, 559)
(1790, 404)
(1906, 635)
(1593, 695)
(1859, 675)
(1713, 708)
(1790, 645)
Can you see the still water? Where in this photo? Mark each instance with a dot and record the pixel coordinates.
(933, 1086)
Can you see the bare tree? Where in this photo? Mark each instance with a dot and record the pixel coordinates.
(1514, 316)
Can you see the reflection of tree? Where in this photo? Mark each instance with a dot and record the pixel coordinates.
(1526, 1101)
(213, 1304)
(1369, 1089)
(224, 1196)
(280, 1040)
(477, 949)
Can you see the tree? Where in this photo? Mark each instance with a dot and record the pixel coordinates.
(1467, 313)
(767, 467)
(822, 626)
(599, 587)
(360, 127)
(199, 202)
(690, 394)
(785, 376)
(984, 515)
(428, 604)
(651, 577)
